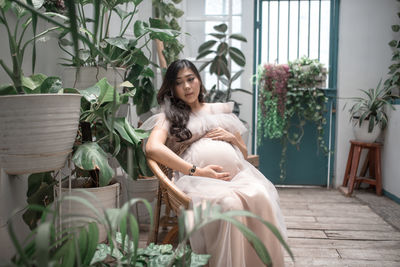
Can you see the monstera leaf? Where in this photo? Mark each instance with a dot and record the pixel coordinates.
(90, 156)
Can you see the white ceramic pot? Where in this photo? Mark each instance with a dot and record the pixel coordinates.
(37, 131)
(361, 131)
(89, 76)
(146, 188)
(105, 197)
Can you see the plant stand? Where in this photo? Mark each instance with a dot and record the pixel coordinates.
(372, 163)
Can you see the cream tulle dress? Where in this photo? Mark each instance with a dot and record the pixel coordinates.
(248, 190)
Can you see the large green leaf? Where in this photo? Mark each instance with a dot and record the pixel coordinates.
(237, 56)
(218, 35)
(120, 42)
(138, 28)
(8, 89)
(222, 48)
(140, 58)
(93, 237)
(238, 37)
(51, 85)
(221, 27)
(205, 46)
(90, 156)
(106, 92)
(91, 94)
(34, 81)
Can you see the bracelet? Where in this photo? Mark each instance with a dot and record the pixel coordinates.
(192, 170)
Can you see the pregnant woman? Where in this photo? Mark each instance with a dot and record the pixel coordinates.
(202, 142)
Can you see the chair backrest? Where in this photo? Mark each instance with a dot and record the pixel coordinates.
(173, 196)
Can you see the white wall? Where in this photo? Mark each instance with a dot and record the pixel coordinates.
(363, 59)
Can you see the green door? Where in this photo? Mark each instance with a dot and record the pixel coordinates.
(305, 165)
(285, 30)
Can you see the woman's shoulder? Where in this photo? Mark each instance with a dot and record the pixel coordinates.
(216, 108)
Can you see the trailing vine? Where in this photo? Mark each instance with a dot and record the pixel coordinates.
(289, 96)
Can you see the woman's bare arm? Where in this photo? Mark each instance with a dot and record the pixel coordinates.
(157, 150)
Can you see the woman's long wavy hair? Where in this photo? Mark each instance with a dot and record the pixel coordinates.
(176, 110)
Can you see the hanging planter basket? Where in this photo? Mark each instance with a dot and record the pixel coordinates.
(37, 131)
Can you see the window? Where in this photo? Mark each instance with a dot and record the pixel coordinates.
(200, 18)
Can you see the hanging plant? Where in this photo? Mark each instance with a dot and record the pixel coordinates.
(273, 80)
(289, 96)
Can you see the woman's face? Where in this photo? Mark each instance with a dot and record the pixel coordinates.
(187, 86)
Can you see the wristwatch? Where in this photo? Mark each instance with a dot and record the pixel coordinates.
(192, 170)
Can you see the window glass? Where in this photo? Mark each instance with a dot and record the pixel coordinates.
(216, 7)
(236, 7)
(292, 29)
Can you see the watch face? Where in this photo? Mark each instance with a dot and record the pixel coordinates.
(192, 170)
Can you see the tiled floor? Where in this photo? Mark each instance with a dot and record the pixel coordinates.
(326, 228)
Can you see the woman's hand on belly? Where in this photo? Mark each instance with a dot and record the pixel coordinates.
(213, 171)
(221, 134)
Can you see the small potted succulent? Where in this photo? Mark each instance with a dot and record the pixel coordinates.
(368, 113)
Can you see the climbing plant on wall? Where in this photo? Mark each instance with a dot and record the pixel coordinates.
(289, 97)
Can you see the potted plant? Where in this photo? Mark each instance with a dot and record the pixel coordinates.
(168, 13)
(220, 64)
(79, 246)
(108, 49)
(368, 112)
(289, 96)
(38, 124)
(101, 138)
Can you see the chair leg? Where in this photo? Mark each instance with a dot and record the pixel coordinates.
(348, 166)
(153, 236)
(171, 235)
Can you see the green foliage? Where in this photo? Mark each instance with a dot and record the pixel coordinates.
(78, 245)
(18, 43)
(118, 51)
(98, 107)
(40, 192)
(37, 84)
(220, 63)
(90, 156)
(371, 107)
(393, 82)
(168, 14)
(289, 97)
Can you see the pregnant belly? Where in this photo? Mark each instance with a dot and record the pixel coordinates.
(210, 152)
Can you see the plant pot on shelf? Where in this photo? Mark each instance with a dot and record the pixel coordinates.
(37, 131)
(361, 131)
(105, 197)
(89, 76)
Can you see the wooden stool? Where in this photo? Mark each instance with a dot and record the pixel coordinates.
(371, 163)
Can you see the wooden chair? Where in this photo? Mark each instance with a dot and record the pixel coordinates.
(173, 198)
